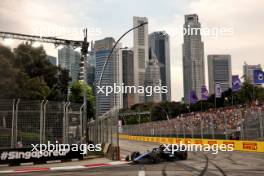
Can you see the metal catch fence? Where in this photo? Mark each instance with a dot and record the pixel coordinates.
(26, 122)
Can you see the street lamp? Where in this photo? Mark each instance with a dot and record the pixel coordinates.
(103, 70)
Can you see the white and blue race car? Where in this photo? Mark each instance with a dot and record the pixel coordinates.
(157, 155)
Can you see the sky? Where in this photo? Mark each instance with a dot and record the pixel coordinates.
(111, 18)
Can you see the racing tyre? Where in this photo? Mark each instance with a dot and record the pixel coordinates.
(134, 155)
(183, 155)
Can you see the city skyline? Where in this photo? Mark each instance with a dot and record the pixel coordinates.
(244, 45)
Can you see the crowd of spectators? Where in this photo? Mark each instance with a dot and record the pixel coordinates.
(218, 120)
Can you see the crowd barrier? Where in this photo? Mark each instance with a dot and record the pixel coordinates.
(248, 146)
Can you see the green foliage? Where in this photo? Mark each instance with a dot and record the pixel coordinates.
(26, 73)
(77, 90)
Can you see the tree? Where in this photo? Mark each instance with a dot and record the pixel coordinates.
(8, 73)
(32, 88)
(26, 73)
(77, 89)
(63, 82)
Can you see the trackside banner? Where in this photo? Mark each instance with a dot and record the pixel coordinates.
(249, 146)
(23, 155)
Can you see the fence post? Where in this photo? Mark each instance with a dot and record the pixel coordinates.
(225, 123)
(183, 126)
(81, 123)
(44, 121)
(102, 130)
(212, 126)
(13, 124)
(261, 124)
(111, 131)
(15, 137)
(201, 127)
(177, 133)
(192, 132)
(242, 130)
(41, 122)
(66, 123)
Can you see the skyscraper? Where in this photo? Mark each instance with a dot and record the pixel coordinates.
(160, 45)
(219, 71)
(112, 75)
(140, 55)
(52, 60)
(152, 79)
(248, 71)
(193, 57)
(70, 60)
(91, 67)
(128, 75)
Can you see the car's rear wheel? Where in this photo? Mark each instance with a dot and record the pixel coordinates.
(134, 155)
(183, 155)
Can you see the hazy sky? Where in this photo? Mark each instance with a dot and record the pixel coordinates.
(66, 18)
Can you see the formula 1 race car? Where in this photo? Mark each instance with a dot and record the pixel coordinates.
(157, 155)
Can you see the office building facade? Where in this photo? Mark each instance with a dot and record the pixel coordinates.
(112, 75)
(140, 55)
(152, 79)
(128, 75)
(159, 44)
(248, 71)
(193, 57)
(52, 60)
(70, 60)
(219, 71)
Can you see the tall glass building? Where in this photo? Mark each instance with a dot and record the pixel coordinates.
(193, 57)
(112, 75)
(159, 44)
(70, 60)
(128, 75)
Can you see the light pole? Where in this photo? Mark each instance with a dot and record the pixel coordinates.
(102, 73)
(84, 52)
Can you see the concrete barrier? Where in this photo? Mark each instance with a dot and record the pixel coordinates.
(239, 145)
